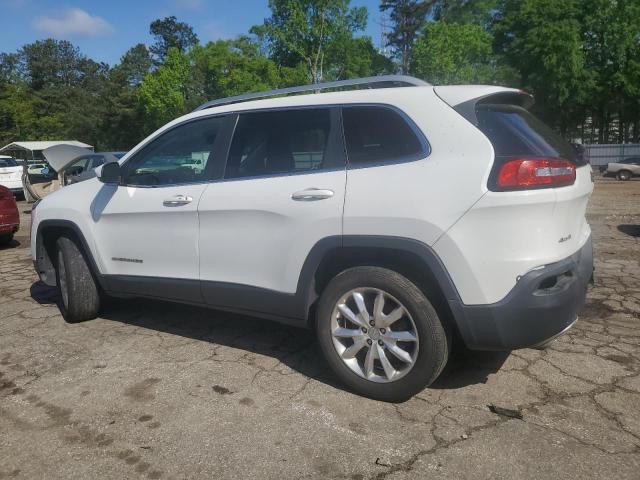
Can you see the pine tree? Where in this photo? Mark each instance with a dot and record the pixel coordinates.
(407, 17)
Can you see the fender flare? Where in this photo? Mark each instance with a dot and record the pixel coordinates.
(44, 263)
(426, 255)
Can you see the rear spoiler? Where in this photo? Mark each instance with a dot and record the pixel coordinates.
(464, 98)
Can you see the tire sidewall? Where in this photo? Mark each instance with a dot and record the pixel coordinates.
(61, 305)
(430, 331)
(83, 299)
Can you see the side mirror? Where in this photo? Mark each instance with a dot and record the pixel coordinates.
(109, 173)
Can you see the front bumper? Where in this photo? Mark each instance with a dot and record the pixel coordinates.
(543, 304)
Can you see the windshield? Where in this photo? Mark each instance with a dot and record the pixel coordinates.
(8, 162)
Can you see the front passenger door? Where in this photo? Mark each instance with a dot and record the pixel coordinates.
(147, 227)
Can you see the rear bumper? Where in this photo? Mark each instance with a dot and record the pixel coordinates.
(543, 304)
(8, 229)
(14, 185)
(9, 223)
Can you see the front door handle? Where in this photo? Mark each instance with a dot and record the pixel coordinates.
(178, 201)
(312, 194)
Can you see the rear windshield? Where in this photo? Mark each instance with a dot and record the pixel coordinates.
(8, 162)
(514, 131)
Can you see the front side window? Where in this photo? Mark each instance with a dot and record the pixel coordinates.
(279, 142)
(178, 156)
(376, 134)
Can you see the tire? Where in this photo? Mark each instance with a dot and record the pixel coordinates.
(79, 295)
(6, 239)
(623, 175)
(27, 196)
(429, 352)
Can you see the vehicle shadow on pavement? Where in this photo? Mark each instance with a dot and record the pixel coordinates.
(294, 347)
(466, 367)
(631, 230)
(12, 244)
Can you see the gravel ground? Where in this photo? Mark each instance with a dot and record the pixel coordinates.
(154, 390)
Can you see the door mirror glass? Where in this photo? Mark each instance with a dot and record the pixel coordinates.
(110, 173)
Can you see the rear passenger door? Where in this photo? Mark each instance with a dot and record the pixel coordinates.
(282, 192)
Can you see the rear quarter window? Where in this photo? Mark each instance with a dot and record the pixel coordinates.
(513, 131)
(376, 134)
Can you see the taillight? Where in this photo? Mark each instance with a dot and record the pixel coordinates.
(529, 173)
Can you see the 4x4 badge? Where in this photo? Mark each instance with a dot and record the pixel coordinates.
(564, 239)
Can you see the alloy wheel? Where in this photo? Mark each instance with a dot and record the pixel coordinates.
(374, 335)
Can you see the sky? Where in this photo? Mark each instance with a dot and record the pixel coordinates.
(105, 29)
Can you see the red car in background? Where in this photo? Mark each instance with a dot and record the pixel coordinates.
(9, 216)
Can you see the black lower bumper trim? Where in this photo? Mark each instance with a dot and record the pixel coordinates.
(543, 303)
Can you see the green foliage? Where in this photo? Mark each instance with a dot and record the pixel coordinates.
(232, 67)
(359, 58)
(580, 58)
(170, 33)
(454, 54)
(310, 31)
(542, 39)
(133, 66)
(477, 12)
(407, 17)
(163, 93)
(611, 44)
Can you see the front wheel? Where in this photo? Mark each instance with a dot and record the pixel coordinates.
(380, 334)
(624, 175)
(79, 295)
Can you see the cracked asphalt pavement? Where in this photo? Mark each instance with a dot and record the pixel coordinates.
(155, 390)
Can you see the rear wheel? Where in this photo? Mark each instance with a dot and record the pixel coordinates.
(79, 296)
(624, 175)
(380, 334)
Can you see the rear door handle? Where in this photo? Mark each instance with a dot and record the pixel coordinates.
(178, 201)
(312, 194)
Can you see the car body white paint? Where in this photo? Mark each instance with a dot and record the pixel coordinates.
(250, 232)
(11, 177)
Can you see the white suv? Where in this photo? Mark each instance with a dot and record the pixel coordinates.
(11, 174)
(390, 220)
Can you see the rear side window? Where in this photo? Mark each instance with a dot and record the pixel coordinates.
(279, 142)
(8, 162)
(379, 134)
(514, 131)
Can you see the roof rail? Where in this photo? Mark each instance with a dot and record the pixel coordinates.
(381, 81)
